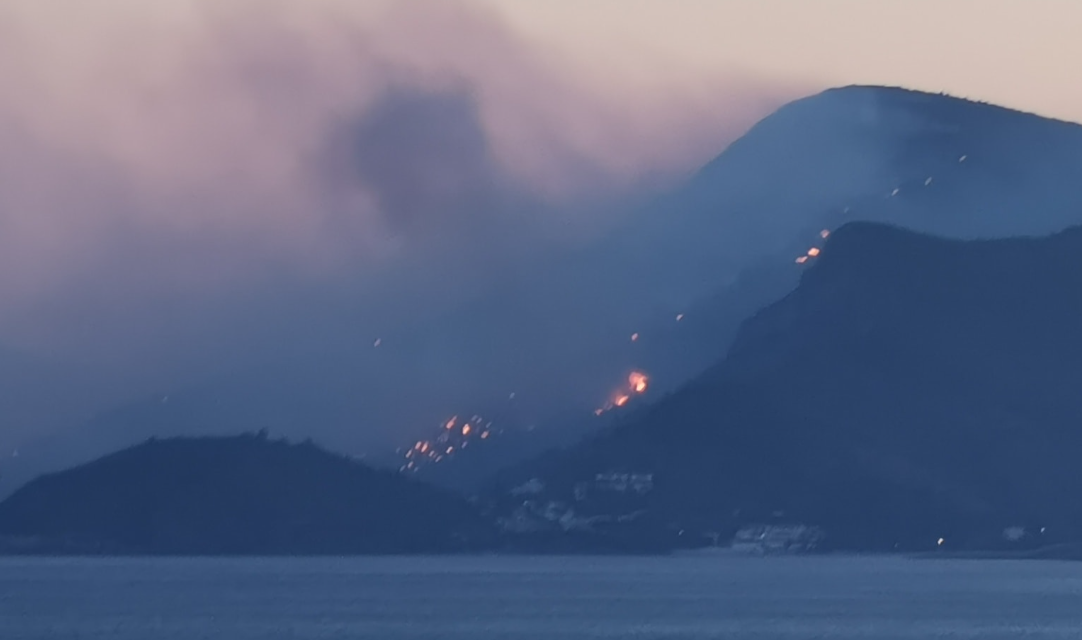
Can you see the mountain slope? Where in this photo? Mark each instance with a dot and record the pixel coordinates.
(911, 388)
(242, 495)
(556, 332)
(961, 169)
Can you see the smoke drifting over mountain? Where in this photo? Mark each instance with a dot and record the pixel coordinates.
(187, 185)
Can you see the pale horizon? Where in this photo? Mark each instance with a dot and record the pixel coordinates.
(1021, 55)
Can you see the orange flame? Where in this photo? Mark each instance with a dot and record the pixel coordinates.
(637, 383)
(465, 429)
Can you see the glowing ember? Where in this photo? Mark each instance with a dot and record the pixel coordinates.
(634, 337)
(814, 251)
(447, 441)
(637, 383)
(802, 259)
(825, 233)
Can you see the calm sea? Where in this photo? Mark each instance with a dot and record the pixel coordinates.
(538, 598)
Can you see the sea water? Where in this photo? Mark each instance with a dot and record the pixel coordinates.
(479, 598)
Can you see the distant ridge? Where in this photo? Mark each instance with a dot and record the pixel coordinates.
(244, 495)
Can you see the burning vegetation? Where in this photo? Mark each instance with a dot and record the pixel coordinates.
(451, 437)
(813, 252)
(456, 434)
(637, 384)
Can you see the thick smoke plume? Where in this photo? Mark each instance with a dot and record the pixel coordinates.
(189, 185)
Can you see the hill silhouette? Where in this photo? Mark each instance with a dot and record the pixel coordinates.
(910, 389)
(243, 495)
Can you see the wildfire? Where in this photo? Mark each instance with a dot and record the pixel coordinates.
(814, 251)
(449, 438)
(637, 383)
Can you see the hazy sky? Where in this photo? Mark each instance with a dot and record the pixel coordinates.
(1021, 53)
(180, 176)
(175, 148)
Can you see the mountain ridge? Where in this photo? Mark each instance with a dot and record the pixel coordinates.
(910, 388)
(714, 251)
